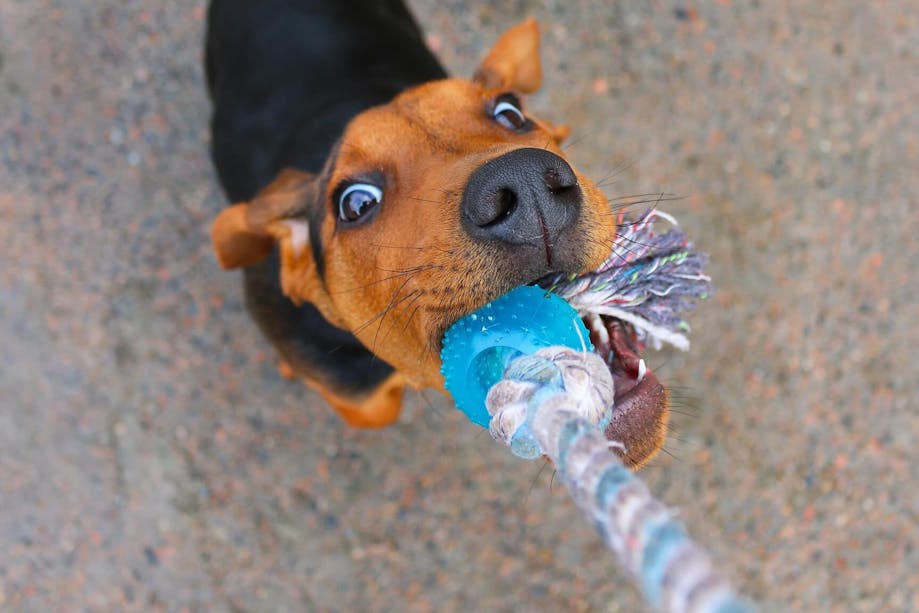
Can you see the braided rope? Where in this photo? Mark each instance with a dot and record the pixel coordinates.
(555, 403)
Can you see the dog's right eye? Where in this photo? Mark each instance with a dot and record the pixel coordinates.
(357, 200)
(507, 112)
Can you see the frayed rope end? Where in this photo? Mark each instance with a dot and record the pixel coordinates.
(649, 281)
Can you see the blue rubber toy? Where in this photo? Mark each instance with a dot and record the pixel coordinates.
(478, 347)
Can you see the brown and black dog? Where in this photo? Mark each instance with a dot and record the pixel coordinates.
(379, 201)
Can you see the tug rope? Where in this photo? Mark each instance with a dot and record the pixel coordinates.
(556, 403)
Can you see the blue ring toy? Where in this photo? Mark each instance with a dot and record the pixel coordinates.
(478, 347)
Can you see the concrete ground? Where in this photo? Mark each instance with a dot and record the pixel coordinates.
(151, 459)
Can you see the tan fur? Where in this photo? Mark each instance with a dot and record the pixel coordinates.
(377, 410)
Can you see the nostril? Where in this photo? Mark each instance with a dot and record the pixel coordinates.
(507, 198)
(494, 208)
(557, 182)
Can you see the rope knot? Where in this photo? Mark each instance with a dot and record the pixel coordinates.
(552, 378)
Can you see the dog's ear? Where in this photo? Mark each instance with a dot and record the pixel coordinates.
(246, 233)
(513, 62)
(559, 132)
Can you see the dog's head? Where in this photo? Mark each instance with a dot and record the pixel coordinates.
(430, 206)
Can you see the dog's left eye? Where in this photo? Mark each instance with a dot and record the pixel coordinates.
(357, 200)
(507, 112)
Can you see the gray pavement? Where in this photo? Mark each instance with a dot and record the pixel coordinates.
(151, 459)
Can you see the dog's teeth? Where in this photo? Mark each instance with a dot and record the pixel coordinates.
(642, 370)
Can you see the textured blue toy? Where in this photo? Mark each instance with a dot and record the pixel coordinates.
(479, 347)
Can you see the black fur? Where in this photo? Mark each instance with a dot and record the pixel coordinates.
(285, 77)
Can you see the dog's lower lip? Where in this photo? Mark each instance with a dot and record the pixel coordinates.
(630, 391)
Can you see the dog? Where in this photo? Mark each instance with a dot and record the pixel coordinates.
(377, 201)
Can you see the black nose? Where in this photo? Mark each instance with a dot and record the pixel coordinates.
(525, 197)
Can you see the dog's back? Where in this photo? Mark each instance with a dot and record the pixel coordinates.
(285, 77)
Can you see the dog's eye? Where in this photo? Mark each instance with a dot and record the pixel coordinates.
(357, 200)
(507, 112)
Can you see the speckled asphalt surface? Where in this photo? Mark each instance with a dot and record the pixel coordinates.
(151, 459)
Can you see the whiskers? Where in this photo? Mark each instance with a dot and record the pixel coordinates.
(684, 407)
(412, 248)
(683, 401)
(610, 177)
(396, 274)
(403, 297)
(624, 247)
(622, 203)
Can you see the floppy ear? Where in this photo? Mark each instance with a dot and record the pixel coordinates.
(246, 233)
(513, 63)
(236, 243)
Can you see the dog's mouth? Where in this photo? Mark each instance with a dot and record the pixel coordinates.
(638, 424)
(641, 405)
(640, 409)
